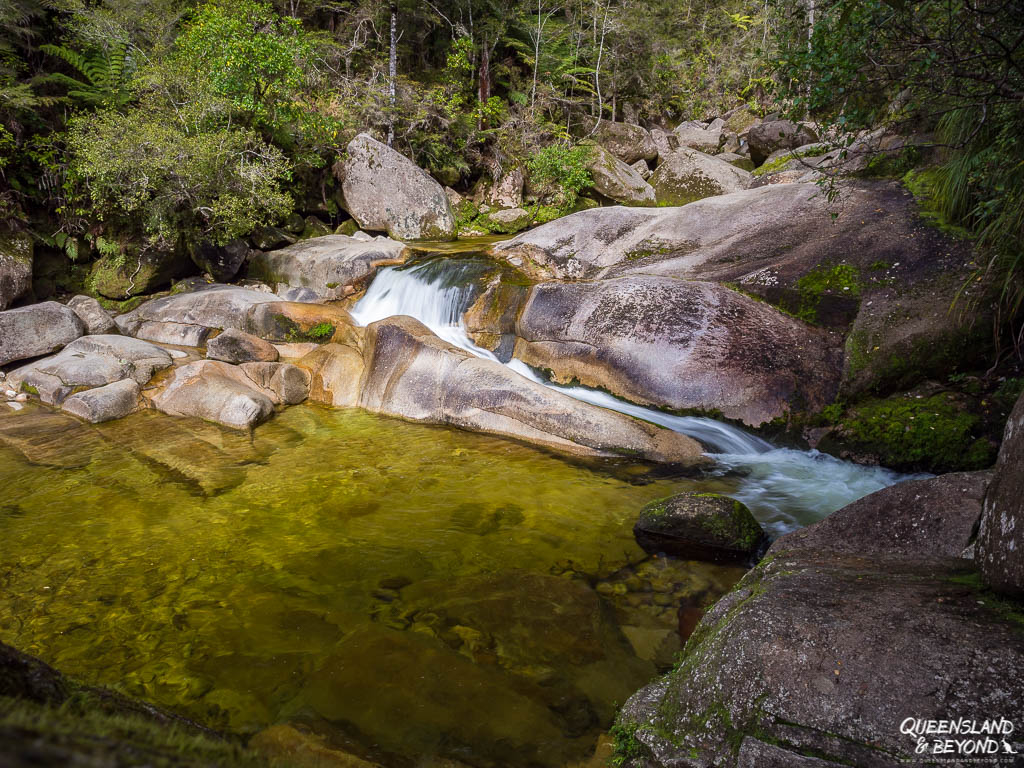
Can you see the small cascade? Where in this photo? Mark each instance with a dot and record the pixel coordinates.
(786, 488)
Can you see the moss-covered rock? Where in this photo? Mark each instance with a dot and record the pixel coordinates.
(15, 266)
(914, 431)
(137, 270)
(688, 175)
(700, 526)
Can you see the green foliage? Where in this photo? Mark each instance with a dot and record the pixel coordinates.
(174, 179)
(563, 166)
(107, 74)
(627, 746)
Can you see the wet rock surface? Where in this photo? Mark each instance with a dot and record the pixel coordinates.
(700, 526)
(812, 653)
(678, 344)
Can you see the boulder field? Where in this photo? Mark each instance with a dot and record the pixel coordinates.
(849, 629)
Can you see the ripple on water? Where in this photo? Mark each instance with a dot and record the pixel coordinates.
(419, 589)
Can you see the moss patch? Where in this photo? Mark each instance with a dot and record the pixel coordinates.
(932, 434)
(825, 280)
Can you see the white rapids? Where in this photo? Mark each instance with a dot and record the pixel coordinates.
(784, 487)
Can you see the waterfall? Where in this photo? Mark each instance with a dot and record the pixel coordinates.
(785, 488)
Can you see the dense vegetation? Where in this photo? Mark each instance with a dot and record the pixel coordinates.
(129, 126)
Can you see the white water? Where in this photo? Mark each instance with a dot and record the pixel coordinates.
(785, 488)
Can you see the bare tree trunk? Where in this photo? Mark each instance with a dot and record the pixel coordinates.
(536, 58)
(392, 73)
(484, 87)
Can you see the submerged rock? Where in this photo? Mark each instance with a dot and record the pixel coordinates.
(37, 329)
(687, 175)
(385, 191)
(699, 526)
(1000, 550)
(678, 344)
(813, 653)
(331, 267)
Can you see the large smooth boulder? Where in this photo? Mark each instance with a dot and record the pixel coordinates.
(412, 374)
(336, 372)
(678, 344)
(385, 191)
(15, 266)
(35, 330)
(687, 175)
(89, 363)
(111, 401)
(664, 141)
(615, 180)
(699, 136)
(332, 267)
(93, 316)
(699, 526)
(628, 142)
(845, 631)
(772, 135)
(233, 346)
(190, 316)
(1000, 548)
(506, 192)
(217, 392)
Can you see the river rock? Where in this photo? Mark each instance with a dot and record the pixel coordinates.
(773, 135)
(698, 136)
(412, 374)
(300, 322)
(665, 142)
(212, 307)
(330, 267)
(90, 361)
(641, 167)
(112, 401)
(301, 748)
(1000, 549)
(222, 262)
(217, 392)
(739, 161)
(139, 271)
(628, 142)
(15, 266)
(234, 346)
(93, 316)
(616, 180)
(678, 344)
(699, 526)
(687, 175)
(385, 191)
(506, 192)
(336, 372)
(509, 220)
(35, 330)
(813, 654)
(288, 382)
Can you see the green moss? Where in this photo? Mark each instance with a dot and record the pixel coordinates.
(931, 434)
(827, 279)
(29, 388)
(1009, 611)
(627, 746)
(780, 163)
(922, 184)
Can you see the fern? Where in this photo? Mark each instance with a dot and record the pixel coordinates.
(106, 74)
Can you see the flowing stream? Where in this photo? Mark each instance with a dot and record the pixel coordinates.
(785, 488)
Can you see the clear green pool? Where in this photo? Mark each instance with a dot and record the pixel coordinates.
(412, 590)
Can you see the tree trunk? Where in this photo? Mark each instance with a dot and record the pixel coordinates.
(392, 73)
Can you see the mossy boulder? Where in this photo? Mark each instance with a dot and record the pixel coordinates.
(919, 431)
(15, 266)
(615, 180)
(687, 175)
(508, 220)
(140, 270)
(700, 526)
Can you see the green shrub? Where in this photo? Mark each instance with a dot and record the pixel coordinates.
(564, 167)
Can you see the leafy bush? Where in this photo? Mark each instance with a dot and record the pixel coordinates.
(564, 167)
